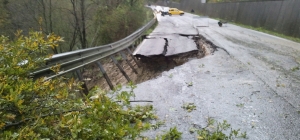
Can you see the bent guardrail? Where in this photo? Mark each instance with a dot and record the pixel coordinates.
(74, 60)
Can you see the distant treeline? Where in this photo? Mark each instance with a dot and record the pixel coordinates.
(82, 23)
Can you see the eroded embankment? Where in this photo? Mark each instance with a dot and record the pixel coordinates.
(148, 67)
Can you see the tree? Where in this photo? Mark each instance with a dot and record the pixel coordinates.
(39, 109)
(82, 23)
(4, 18)
(124, 18)
(153, 1)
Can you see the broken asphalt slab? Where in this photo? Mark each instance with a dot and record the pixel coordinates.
(166, 45)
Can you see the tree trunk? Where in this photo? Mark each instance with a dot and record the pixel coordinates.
(83, 39)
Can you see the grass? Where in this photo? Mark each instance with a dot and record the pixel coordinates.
(189, 84)
(218, 131)
(150, 30)
(295, 68)
(172, 134)
(201, 66)
(240, 105)
(157, 125)
(150, 17)
(189, 107)
(118, 58)
(261, 29)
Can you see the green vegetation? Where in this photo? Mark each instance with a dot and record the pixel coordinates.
(240, 105)
(295, 68)
(260, 29)
(189, 84)
(150, 30)
(217, 131)
(118, 57)
(189, 107)
(201, 66)
(82, 23)
(157, 124)
(172, 134)
(4, 21)
(116, 23)
(152, 1)
(54, 109)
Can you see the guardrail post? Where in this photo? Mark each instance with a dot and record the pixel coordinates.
(133, 57)
(121, 69)
(125, 57)
(105, 75)
(84, 86)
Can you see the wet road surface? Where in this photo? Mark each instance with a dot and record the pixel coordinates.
(252, 81)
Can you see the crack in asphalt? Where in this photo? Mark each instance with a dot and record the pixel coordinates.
(215, 47)
(265, 83)
(165, 47)
(274, 91)
(260, 78)
(212, 44)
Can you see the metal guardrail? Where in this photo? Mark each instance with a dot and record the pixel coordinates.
(74, 60)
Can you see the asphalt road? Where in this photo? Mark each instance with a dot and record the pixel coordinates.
(252, 81)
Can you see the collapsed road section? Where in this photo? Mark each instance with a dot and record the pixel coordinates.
(149, 67)
(162, 52)
(166, 45)
(172, 49)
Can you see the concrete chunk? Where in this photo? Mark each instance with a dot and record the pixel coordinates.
(180, 45)
(150, 47)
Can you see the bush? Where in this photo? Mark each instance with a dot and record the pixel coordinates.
(38, 109)
(172, 134)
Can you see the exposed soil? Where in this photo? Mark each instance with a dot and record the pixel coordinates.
(147, 67)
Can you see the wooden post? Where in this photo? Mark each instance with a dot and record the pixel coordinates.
(105, 75)
(121, 69)
(85, 89)
(125, 57)
(133, 57)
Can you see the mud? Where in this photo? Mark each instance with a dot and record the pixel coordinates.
(147, 67)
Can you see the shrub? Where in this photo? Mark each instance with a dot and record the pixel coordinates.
(38, 109)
